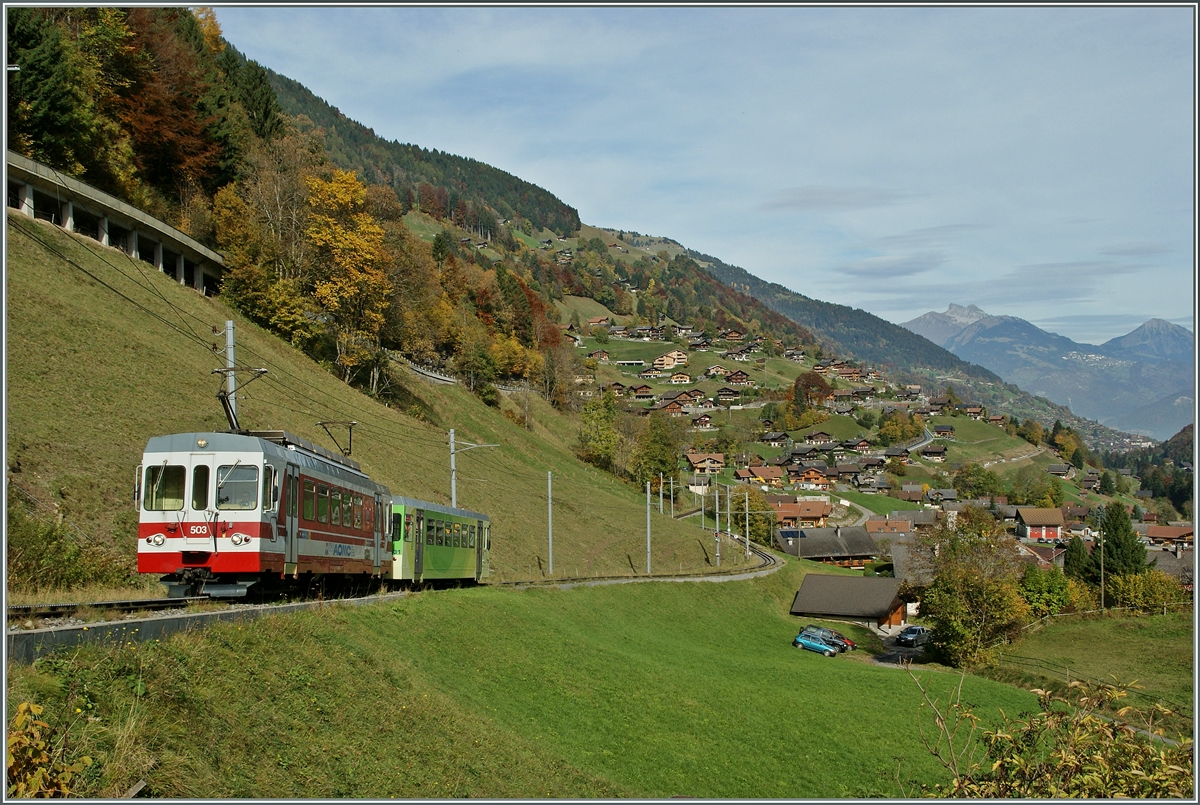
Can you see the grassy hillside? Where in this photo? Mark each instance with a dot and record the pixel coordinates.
(1156, 652)
(643, 690)
(104, 352)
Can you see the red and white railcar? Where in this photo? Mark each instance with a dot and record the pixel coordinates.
(220, 512)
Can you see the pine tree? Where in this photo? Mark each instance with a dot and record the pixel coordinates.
(1123, 553)
(1076, 561)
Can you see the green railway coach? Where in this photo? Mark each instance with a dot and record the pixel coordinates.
(432, 541)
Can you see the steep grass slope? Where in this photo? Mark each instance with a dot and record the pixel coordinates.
(631, 690)
(104, 352)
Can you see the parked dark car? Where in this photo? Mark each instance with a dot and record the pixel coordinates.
(913, 636)
(844, 639)
(831, 637)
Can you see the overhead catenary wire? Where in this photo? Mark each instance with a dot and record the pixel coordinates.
(396, 429)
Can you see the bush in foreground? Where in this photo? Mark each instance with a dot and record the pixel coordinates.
(1067, 749)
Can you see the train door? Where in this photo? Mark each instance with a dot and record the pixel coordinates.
(380, 526)
(419, 547)
(291, 540)
(478, 549)
(200, 530)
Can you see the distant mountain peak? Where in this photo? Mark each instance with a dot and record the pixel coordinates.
(964, 315)
(1154, 341)
(941, 327)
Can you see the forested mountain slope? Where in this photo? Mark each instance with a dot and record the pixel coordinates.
(406, 167)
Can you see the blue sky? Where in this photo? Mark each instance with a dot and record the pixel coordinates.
(1036, 162)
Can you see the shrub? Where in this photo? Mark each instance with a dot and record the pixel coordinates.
(1081, 596)
(1066, 750)
(1146, 591)
(1045, 591)
(36, 768)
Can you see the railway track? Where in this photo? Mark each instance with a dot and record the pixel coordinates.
(29, 611)
(768, 563)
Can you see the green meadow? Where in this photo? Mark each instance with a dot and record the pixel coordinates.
(629, 690)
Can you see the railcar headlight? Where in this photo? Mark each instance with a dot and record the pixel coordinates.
(158, 540)
(237, 539)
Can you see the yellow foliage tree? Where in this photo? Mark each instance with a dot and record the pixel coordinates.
(351, 285)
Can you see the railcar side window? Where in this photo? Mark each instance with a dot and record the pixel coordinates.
(164, 488)
(237, 487)
(408, 524)
(200, 487)
(270, 492)
(335, 508)
(358, 521)
(310, 500)
(441, 532)
(292, 494)
(429, 529)
(471, 534)
(322, 503)
(458, 535)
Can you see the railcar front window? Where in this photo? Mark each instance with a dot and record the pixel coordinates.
(164, 488)
(200, 487)
(237, 487)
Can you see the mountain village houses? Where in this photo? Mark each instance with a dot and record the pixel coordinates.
(801, 483)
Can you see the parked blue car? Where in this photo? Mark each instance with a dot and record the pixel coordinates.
(813, 643)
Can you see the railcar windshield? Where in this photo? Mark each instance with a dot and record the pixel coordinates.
(164, 488)
(237, 487)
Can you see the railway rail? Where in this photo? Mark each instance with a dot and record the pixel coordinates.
(27, 611)
(767, 563)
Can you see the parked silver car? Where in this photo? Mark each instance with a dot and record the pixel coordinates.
(913, 636)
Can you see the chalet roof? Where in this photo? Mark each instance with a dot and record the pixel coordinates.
(1169, 532)
(697, 459)
(1030, 515)
(814, 508)
(767, 473)
(903, 566)
(820, 543)
(918, 517)
(1182, 567)
(895, 451)
(845, 596)
(774, 436)
(885, 526)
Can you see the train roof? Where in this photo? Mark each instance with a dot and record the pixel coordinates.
(274, 442)
(400, 500)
